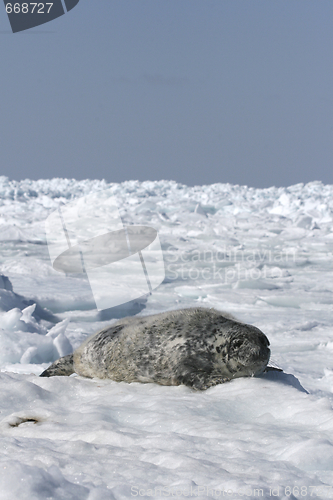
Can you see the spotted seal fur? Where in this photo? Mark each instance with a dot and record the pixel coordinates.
(197, 347)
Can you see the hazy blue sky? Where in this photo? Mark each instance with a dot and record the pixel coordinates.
(199, 91)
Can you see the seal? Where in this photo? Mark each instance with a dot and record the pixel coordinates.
(196, 347)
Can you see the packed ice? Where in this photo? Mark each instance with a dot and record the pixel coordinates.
(263, 255)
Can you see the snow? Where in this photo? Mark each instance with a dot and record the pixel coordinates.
(263, 255)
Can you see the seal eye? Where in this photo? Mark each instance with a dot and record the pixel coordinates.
(236, 344)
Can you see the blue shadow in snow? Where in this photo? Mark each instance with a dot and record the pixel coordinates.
(280, 376)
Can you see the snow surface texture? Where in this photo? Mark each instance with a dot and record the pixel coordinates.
(263, 255)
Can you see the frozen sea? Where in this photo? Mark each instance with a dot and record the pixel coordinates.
(263, 255)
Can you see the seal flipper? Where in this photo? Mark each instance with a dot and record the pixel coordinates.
(202, 381)
(196, 373)
(62, 367)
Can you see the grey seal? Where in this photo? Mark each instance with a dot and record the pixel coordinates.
(196, 347)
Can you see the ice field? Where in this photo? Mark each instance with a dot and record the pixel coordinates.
(263, 255)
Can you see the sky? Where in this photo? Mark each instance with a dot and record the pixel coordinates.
(196, 91)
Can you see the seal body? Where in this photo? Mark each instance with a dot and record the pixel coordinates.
(197, 347)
